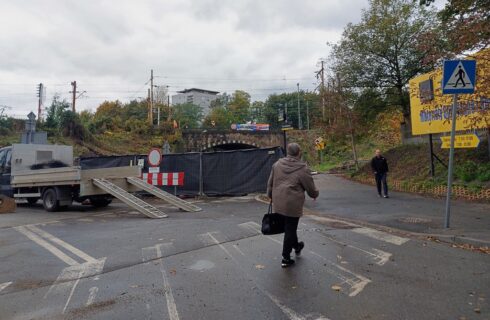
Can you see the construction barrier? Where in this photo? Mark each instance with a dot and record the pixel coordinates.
(232, 173)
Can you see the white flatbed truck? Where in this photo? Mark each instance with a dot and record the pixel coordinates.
(46, 172)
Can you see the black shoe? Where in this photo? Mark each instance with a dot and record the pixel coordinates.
(386, 196)
(287, 262)
(300, 247)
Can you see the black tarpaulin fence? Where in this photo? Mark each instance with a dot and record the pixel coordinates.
(231, 173)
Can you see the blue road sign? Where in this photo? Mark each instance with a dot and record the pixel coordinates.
(458, 76)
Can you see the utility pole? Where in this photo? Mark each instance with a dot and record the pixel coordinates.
(151, 95)
(40, 94)
(74, 94)
(150, 113)
(299, 111)
(321, 74)
(168, 105)
(307, 115)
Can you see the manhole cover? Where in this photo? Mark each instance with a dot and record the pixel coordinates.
(414, 220)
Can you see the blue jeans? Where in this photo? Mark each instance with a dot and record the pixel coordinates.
(381, 179)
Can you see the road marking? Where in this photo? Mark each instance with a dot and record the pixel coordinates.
(63, 244)
(290, 313)
(379, 235)
(55, 251)
(379, 256)
(238, 249)
(71, 295)
(357, 282)
(70, 274)
(4, 285)
(372, 233)
(251, 226)
(91, 297)
(147, 255)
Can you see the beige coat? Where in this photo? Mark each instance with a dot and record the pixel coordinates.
(288, 181)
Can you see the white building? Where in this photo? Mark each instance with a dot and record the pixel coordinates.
(199, 97)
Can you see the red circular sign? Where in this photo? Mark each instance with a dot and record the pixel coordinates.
(154, 157)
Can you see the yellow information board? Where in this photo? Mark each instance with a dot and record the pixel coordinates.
(461, 141)
(431, 110)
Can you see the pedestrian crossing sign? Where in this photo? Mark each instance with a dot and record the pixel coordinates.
(458, 76)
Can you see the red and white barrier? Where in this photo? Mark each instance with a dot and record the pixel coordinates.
(164, 179)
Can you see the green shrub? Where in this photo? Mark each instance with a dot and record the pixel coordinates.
(467, 171)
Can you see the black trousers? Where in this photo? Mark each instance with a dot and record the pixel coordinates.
(290, 236)
(381, 180)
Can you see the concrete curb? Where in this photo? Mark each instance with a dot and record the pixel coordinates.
(449, 239)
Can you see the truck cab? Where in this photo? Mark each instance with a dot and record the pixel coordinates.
(6, 171)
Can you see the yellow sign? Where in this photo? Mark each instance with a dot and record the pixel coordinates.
(319, 144)
(431, 111)
(461, 141)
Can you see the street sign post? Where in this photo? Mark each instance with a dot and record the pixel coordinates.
(458, 76)
(461, 141)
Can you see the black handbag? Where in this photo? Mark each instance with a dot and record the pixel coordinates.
(272, 223)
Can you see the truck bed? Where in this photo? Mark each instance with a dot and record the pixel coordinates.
(46, 177)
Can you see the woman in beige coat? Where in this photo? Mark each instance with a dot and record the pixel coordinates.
(289, 179)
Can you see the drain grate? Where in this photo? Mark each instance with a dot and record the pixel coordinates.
(415, 220)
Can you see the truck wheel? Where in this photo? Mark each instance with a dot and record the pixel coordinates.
(32, 201)
(100, 202)
(50, 200)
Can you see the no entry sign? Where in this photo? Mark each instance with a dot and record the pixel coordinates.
(154, 157)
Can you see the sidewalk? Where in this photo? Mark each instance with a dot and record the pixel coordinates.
(344, 199)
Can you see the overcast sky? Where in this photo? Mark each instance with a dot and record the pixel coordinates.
(109, 47)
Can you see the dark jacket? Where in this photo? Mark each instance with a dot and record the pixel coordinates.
(288, 181)
(379, 165)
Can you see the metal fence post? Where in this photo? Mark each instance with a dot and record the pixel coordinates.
(201, 183)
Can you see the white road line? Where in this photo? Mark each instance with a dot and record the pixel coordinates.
(62, 243)
(171, 306)
(4, 285)
(238, 249)
(55, 251)
(357, 282)
(290, 313)
(379, 235)
(379, 256)
(71, 295)
(372, 233)
(68, 275)
(91, 297)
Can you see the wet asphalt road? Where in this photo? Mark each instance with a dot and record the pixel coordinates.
(116, 264)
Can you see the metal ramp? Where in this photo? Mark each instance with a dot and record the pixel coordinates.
(129, 199)
(170, 198)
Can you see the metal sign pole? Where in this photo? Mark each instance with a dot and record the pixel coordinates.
(451, 162)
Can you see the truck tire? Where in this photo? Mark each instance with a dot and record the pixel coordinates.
(100, 202)
(50, 200)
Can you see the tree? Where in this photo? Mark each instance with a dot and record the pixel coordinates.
(188, 115)
(55, 113)
(382, 50)
(239, 106)
(463, 26)
(219, 117)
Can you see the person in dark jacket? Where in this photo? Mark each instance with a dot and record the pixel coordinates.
(380, 170)
(289, 179)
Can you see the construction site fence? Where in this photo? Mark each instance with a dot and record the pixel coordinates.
(223, 173)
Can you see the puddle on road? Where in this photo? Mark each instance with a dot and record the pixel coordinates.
(202, 265)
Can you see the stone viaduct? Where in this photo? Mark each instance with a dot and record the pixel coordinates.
(216, 140)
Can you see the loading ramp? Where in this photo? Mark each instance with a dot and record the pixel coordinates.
(129, 199)
(168, 197)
